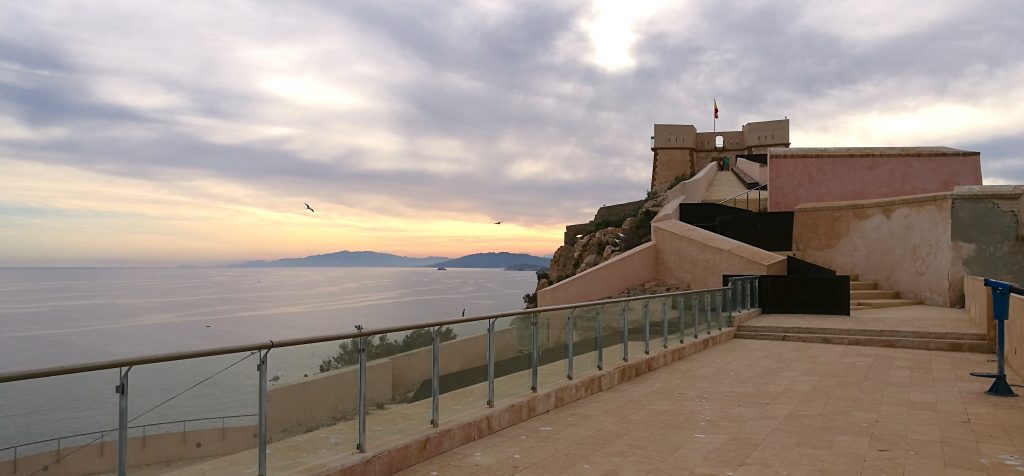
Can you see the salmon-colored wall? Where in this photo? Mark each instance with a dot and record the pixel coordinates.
(695, 258)
(901, 243)
(636, 266)
(801, 178)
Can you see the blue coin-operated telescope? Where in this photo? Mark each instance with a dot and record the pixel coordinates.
(1000, 311)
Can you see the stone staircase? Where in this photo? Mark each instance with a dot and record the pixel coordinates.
(902, 339)
(866, 295)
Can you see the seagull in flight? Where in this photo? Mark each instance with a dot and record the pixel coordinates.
(309, 207)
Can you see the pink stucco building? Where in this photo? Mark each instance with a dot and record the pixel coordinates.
(833, 174)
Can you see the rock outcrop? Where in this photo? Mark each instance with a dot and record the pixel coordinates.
(604, 244)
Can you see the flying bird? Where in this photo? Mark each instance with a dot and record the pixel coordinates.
(309, 207)
(497, 222)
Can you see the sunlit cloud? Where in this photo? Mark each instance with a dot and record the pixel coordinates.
(193, 133)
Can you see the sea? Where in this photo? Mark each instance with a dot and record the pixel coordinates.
(52, 317)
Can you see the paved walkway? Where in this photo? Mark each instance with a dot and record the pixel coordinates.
(723, 186)
(762, 407)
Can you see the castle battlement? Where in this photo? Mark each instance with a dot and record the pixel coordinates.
(681, 150)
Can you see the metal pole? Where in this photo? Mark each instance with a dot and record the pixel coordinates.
(746, 303)
(122, 422)
(664, 323)
(720, 297)
(755, 298)
(361, 409)
(647, 328)
(696, 304)
(625, 333)
(600, 340)
(535, 353)
(682, 319)
(707, 303)
(435, 379)
(569, 337)
(262, 417)
(490, 363)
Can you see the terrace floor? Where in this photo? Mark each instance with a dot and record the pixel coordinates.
(741, 407)
(750, 407)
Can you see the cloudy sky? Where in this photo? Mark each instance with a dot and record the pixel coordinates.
(152, 132)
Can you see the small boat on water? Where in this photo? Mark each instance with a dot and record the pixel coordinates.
(442, 268)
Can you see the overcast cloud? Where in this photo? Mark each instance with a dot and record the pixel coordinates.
(393, 114)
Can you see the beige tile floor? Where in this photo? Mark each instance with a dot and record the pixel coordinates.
(398, 420)
(751, 407)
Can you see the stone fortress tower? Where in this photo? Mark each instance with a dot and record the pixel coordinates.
(681, 151)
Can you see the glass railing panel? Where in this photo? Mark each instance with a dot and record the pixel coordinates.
(398, 386)
(463, 371)
(584, 341)
(312, 401)
(512, 340)
(190, 415)
(638, 333)
(38, 417)
(552, 366)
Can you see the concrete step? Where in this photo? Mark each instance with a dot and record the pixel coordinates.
(862, 285)
(889, 333)
(858, 308)
(882, 303)
(857, 295)
(893, 342)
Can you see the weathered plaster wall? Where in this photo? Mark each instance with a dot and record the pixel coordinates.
(902, 243)
(695, 258)
(801, 176)
(988, 231)
(978, 304)
(633, 267)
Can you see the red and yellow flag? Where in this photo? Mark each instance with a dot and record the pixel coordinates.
(716, 109)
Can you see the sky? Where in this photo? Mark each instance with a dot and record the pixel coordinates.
(163, 133)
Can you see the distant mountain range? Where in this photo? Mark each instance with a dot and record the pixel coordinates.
(517, 261)
(349, 259)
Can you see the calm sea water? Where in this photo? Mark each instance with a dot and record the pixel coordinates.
(52, 317)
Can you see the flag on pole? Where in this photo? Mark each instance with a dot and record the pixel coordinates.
(716, 109)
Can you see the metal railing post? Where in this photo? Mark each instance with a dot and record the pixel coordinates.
(664, 323)
(754, 298)
(569, 338)
(262, 415)
(490, 362)
(600, 340)
(435, 379)
(720, 296)
(534, 352)
(361, 392)
(696, 303)
(647, 328)
(746, 295)
(122, 422)
(625, 332)
(707, 304)
(682, 319)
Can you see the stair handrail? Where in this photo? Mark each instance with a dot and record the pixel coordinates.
(763, 186)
